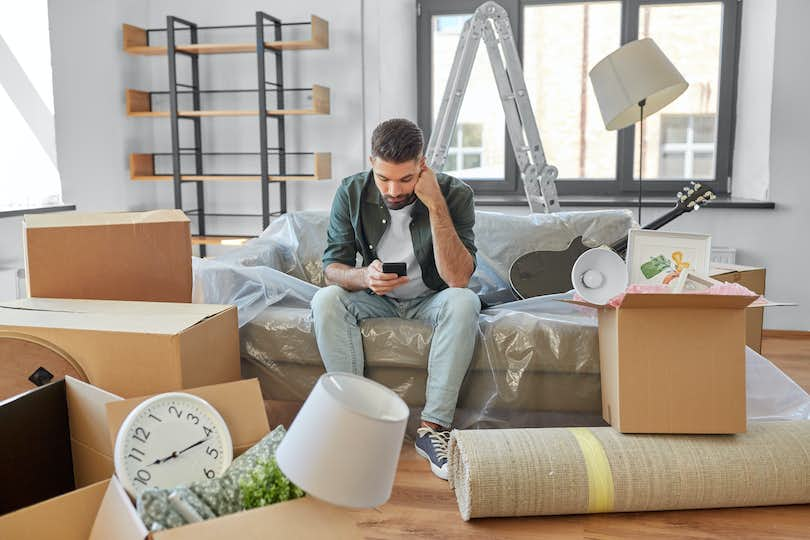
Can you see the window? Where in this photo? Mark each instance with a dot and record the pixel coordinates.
(559, 42)
(464, 156)
(28, 173)
(687, 146)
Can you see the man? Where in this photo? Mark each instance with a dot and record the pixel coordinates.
(400, 211)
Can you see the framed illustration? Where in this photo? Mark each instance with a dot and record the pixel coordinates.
(657, 257)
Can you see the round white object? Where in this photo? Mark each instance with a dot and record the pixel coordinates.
(593, 279)
(171, 439)
(599, 275)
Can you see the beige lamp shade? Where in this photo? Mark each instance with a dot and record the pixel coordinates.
(637, 71)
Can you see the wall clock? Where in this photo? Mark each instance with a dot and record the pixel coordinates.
(171, 439)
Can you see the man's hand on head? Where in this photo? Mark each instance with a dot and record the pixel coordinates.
(427, 187)
(381, 283)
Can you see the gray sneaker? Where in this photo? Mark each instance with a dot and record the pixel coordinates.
(432, 445)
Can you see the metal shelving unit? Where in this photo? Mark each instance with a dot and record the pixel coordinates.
(139, 104)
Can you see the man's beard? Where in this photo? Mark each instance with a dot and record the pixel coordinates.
(399, 204)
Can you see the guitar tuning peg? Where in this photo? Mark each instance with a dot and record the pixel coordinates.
(692, 182)
(691, 204)
(697, 207)
(711, 195)
(698, 185)
(690, 192)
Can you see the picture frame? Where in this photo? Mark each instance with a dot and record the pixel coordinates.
(656, 257)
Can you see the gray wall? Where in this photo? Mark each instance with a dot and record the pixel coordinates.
(371, 70)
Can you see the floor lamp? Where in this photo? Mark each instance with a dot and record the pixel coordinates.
(630, 84)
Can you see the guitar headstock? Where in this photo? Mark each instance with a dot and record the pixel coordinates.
(694, 196)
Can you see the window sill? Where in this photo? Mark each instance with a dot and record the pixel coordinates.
(37, 210)
(624, 201)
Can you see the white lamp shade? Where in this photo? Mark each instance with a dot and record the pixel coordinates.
(344, 445)
(639, 70)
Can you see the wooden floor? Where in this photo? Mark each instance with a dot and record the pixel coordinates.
(422, 506)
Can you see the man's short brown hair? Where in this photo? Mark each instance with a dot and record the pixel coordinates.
(397, 140)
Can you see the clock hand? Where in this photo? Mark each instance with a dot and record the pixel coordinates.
(191, 446)
(176, 453)
(163, 460)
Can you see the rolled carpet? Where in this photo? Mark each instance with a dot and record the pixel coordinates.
(533, 472)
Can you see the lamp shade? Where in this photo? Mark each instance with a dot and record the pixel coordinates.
(344, 445)
(637, 71)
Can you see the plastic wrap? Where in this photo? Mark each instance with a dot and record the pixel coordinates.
(536, 361)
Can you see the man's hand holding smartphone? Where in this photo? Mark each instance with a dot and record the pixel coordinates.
(382, 282)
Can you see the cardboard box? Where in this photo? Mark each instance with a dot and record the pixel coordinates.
(109, 256)
(55, 438)
(103, 510)
(674, 363)
(752, 278)
(134, 348)
(64, 434)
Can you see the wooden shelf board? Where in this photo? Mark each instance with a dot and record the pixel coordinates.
(142, 169)
(210, 240)
(135, 42)
(139, 106)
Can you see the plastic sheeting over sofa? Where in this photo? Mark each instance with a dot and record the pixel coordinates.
(536, 361)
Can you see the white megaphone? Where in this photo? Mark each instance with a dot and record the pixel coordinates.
(598, 275)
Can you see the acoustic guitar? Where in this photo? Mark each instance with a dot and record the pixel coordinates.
(549, 272)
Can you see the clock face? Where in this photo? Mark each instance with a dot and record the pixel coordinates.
(171, 439)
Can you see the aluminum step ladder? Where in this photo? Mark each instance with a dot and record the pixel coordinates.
(491, 22)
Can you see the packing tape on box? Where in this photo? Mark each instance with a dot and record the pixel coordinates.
(600, 477)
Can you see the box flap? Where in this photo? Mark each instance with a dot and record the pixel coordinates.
(582, 303)
(89, 219)
(88, 416)
(701, 301)
(106, 315)
(302, 518)
(240, 403)
(716, 269)
(67, 517)
(116, 517)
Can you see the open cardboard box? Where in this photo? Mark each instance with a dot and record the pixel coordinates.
(109, 255)
(103, 509)
(62, 434)
(753, 278)
(674, 363)
(134, 348)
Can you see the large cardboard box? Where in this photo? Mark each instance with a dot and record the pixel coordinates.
(109, 256)
(753, 278)
(64, 434)
(103, 510)
(674, 363)
(134, 348)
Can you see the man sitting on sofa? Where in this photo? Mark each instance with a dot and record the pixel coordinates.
(401, 211)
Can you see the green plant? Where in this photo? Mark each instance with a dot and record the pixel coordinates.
(266, 484)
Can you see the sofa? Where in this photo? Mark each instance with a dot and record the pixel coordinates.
(536, 361)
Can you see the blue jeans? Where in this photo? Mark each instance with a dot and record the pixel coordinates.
(453, 313)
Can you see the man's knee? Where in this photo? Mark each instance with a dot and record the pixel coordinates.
(462, 303)
(327, 299)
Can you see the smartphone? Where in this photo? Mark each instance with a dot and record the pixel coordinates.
(398, 268)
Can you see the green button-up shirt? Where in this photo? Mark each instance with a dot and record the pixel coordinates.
(359, 218)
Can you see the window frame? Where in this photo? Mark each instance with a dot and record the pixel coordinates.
(624, 182)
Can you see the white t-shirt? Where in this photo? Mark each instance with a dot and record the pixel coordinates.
(396, 245)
